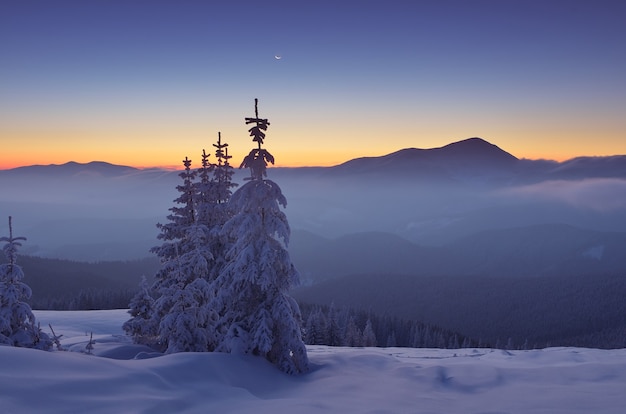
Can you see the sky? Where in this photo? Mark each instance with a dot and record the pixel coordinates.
(147, 83)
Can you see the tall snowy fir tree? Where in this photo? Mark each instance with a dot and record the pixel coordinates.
(182, 315)
(223, 172)
(213, 208)
(189, 323)
(18, 326)
(205, 190)
(257, 314)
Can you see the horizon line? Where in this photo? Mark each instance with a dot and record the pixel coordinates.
(171, 167)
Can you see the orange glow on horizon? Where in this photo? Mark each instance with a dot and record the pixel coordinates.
(160, 151)
(282, 160)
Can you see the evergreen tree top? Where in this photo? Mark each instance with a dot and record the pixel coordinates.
(221, 151)
(258, 158)
(205, 159)
(261, 125)
(10, 249)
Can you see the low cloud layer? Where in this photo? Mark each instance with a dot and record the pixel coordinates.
(597, 194)
(54, 211)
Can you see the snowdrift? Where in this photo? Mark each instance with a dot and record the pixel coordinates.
(123, 378)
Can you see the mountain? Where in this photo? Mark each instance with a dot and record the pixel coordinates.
(476, 161)
(69, 169)
(469, 152)
(472, 160)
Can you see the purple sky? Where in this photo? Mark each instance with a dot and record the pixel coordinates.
(150, 82)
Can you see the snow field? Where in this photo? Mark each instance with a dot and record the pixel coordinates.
(355, 380)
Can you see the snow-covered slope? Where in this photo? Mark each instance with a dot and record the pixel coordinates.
(363, 380)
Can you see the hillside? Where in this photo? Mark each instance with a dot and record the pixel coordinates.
(548, 311)
(56, 282)
(546, 285)
(531, 251)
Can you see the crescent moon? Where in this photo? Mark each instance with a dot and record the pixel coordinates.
(278, 57)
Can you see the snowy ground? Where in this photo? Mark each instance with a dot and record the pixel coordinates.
(343, 380)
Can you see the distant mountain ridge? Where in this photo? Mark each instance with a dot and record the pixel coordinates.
(73, 168)
(471, 150)
(459, 161)
(476, 161)
(472, 160)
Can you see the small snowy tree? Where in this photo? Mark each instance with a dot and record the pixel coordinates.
(335, 337)
(317, 328)
(353, 336)
(257, 314)
(369, 337)
(141, 325)
(56, 339)
(89, 347)
(18, 326)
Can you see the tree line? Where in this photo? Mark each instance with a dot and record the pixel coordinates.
(344, 326)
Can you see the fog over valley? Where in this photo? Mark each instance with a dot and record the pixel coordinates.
(382, 233)
(430, 197)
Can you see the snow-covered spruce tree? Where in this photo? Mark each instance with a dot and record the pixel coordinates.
(139, 326)
(18, 326)
(369, 337)
(353, 336)
(190, 323)
(316, 328)
(257, 314)
(222, 177)
(182, 317)
(335, 335)
(223, 172)
(214, 192)
(205, 191)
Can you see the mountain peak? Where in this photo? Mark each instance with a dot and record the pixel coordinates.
(476, 148)
(457, 161)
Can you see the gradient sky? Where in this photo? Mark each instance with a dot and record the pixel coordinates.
(146, 83)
